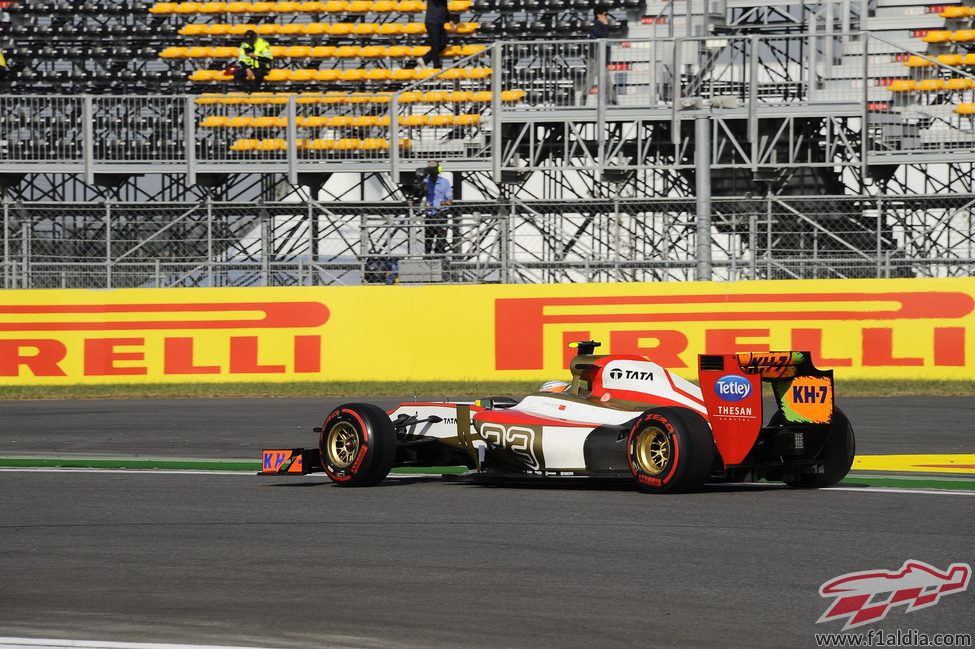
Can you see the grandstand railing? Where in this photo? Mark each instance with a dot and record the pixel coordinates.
(113, 245)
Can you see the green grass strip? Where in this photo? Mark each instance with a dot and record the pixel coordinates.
(919, 482)
(435, 390)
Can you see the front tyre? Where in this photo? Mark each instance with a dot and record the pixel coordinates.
(357, 445)
(670, 450)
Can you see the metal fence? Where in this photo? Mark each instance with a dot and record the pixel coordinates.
(114, 245)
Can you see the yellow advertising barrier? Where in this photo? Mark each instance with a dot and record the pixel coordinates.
(899, 328)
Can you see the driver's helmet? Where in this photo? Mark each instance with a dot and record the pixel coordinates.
(554, 386)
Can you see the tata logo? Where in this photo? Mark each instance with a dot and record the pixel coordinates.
(616, 373)
(733, 388)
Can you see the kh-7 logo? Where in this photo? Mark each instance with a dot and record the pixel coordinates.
(865, 597)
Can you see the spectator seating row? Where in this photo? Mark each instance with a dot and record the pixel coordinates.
(412, 97)
(932, 85)
(949, 36)
(957, 11)
(321, 51)
(317, 29)
(318, 144)
(945, 59)
(330, 6)
(337, 121)
(353, 74)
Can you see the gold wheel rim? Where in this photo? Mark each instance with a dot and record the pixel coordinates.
(652, 450)
(342, 445)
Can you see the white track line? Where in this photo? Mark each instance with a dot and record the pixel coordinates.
(901, 490)
(32, 643)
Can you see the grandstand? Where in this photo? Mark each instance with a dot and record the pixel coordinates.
(797, 140)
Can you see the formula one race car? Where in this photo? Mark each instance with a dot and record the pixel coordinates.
(621, 416)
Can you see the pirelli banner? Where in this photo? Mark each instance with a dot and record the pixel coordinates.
(905, 328)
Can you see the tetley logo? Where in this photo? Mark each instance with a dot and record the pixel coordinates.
(733, 388)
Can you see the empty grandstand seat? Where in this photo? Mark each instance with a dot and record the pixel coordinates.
(965, 109)
(954, 12)
(963, 35)
(189, 7)
(238, 7)
(929, 85)
(961, 83)
(312, 7)
(214, 8)
(902, 85)
(937, 36)
(287, 7)
(968, 59)
(163, 8)
(917, 62)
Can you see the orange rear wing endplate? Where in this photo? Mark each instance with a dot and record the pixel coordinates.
(290, 461)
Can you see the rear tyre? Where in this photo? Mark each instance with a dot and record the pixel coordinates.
(357, 445)
(837, 457)
(671, 450)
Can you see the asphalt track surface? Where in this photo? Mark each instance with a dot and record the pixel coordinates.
(236, 559)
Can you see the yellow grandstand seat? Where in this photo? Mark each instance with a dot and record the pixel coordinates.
(248, 144)
(316, 29)
(929, 85)
(328, 75)
(917, 62)
(384, 6)
(269, 121)
(411, 97)
(949, 59)
(278, 51)
(219, 29)
(175, 52)
(214, 8)
(268, 29)
(378, 74)
(435, 96)
(203, 75)
(458, 6)
(404, 74)
(397, 51)
(460, 96)
(189, 7)
(199, 52)
(464, 28)
(373, 52)
(312, 7)
(340, 29)
(902, 85)
(347, 144)
(373, 144)
(224, 52)
(234, 98)
(414, 28)
(193, 30)
(470, 50)
(389, 29)
(360, 6)
(963, 35)
(297, 52)
(454, 73)
(954, 12)
(968, 59)
(277, 75)
(336, 6)
(292, 29)
(238, 7)
(308, 98)
(209, 98)
(163, 8)
(347, 51)
(467, 119)
(364, 29)
(215, 121)
(960, 83)
(322, 51)
(304, 75)
(410, 6)
(440, 120)
(262, 7)
(287, 7)
(937, 36)
(355, 74)
(241, 121)
(512, 95)
(478, 73)
(965, 109)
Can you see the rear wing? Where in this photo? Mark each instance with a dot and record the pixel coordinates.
(731, 385)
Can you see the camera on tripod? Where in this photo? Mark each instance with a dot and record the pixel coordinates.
(416, 188)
